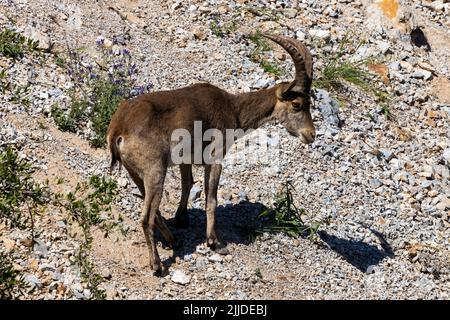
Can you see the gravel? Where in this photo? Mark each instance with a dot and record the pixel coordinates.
(384, 184)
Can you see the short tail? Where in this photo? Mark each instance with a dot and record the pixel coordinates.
(113, 142)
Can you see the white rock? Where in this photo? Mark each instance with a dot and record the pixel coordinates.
(215, 258)
(438, 5)
(446, 155)
(290, 13)
(195, 193)
(44, 39)
(75, 21)
(43, 95)
(123, 182)
(106, 273)
(383, 46)
(421, 74)
(300, 35)
(319, 33)
(180, 277)
(202, 249)
(32, 280)
(443, 204)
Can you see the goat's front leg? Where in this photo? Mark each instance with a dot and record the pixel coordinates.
(212, 177)
(181, 216)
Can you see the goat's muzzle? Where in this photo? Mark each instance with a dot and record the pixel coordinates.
(307, 136)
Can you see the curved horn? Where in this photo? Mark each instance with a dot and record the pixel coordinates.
(302, 61)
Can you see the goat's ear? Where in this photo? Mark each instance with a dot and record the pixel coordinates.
(284, 93)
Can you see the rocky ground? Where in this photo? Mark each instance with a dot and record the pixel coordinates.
(384, 183)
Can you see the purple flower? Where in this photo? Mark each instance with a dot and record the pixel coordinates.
(133, 69)
(116, 65)
(126, 52)
(100, 41)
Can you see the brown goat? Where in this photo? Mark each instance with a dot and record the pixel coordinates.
(139, 136)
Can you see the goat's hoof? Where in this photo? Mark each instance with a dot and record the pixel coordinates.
(182, 221)
(157, 273)
(158, 269)
(220, 248)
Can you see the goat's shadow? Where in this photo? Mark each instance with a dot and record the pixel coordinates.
(235, 223)
(239, 224)
(359, 254)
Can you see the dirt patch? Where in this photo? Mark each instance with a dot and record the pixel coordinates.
(440, 88)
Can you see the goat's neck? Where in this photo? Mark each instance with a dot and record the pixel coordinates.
(253, 109)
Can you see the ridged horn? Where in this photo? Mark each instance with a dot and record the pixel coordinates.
(302, 61)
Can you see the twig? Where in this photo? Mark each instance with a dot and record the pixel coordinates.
(122, 15)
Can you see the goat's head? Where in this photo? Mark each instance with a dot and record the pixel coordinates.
(292, 108)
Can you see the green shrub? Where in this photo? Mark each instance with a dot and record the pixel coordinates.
(271, 68)
(341, 69)
(286, 217)
(222, 29)
(107, 96)
(14, 45)
(84, 207)
(5, 85)
(19, 192)
(68, 121)
(11, 280)
(98, 90)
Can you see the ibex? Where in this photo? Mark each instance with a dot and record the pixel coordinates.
(139, 137)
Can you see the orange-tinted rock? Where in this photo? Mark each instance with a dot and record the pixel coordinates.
(389, 7)
(380, 69)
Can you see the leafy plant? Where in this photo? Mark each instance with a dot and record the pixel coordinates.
(107, 96)
(221, 29)
(98, 89)
(60, 61)
(20, 95)
(85, 206)
(336, 71)
(89, 275)
(12, 283)
(68, 121)
(339, 70)
(286, 217)
(14, 45)
(271, 68)
(21, 199)
(19, 192)
(4, 83)
(260, 42)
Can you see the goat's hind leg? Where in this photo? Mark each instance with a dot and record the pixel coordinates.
(153, 193)
(181, 216)
(173, 241)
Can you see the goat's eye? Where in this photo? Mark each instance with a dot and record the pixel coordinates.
(297, 107)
